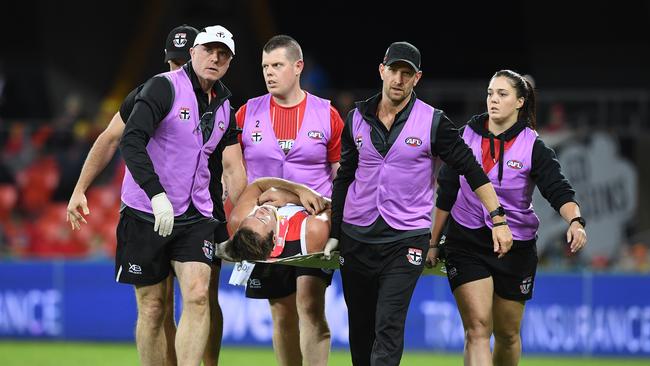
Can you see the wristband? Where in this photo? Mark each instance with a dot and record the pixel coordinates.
(498, 212)
(580, 220)
(502, 223)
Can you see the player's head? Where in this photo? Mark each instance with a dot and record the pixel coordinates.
(282, 64)
(262, 220)
(255, 237)
(247, 244)
(178, 44)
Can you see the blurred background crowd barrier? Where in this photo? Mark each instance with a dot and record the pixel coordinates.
(573, 314)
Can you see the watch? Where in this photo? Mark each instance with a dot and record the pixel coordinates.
(580, 220)
(498, 212)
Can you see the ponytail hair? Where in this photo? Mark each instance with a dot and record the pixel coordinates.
(525, 90)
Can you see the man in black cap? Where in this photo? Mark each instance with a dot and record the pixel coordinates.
(177, 53)
(382, 201)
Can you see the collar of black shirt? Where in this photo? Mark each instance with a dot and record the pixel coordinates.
(368, 109)
(219, 89)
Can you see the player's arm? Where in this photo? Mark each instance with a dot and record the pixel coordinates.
(334, 143)
(234, 174)
(318, 231)
(311, 200)
(99, 156)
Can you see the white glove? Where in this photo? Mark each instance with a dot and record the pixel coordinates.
(164, 214)
(332, 244)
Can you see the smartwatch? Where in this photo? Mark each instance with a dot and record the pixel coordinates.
(580, 220)
(498, 212)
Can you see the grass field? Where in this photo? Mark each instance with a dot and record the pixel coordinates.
(105, 354)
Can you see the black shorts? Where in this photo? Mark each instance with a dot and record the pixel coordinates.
(513, 274)
(220, 235)
(144, 258)
(275, 281)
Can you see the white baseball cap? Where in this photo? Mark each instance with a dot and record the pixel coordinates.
(216, 33)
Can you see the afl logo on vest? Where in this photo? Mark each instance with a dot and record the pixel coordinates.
(413, 141)
(316, 135)
(515, 164)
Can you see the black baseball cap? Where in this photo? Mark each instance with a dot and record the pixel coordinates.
(179, 41)
(403, 51)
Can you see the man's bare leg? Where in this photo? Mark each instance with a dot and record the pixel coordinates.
(193, 327)
(149, 337)
(286, 334)
(314, 333)
(212, 348)
(169, 324)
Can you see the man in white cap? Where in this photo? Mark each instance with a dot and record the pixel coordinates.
(180, 133)
(177, 53)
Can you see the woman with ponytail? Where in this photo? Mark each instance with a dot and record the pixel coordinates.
(491, 289)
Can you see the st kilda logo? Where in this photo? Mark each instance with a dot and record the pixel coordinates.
(515, 164)
(414, 256)
(413, 141)
(180, 40)
(316, 135)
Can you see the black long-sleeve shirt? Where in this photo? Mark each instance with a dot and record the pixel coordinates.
(151, 106)
(446, 143)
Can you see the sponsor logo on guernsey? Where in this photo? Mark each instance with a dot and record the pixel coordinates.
(208, 249)
(285, 145)
(414, 256)
(184, 113)
(222, 126)
(316, 135)
(413, 141)
(135, 269)
(256, 137)
(359, 142)
(180, 40)
(341, 260)
(526, 285)
(515, 164)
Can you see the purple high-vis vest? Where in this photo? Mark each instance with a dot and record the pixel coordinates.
(515, 191)
(178, 154)
(306, 162)
(399, 186)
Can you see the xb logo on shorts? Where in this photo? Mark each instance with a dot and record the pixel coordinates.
(180, 40)
(526, 285)
(135, 269)
(222, 126)
(414, 256)
(208, 249)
